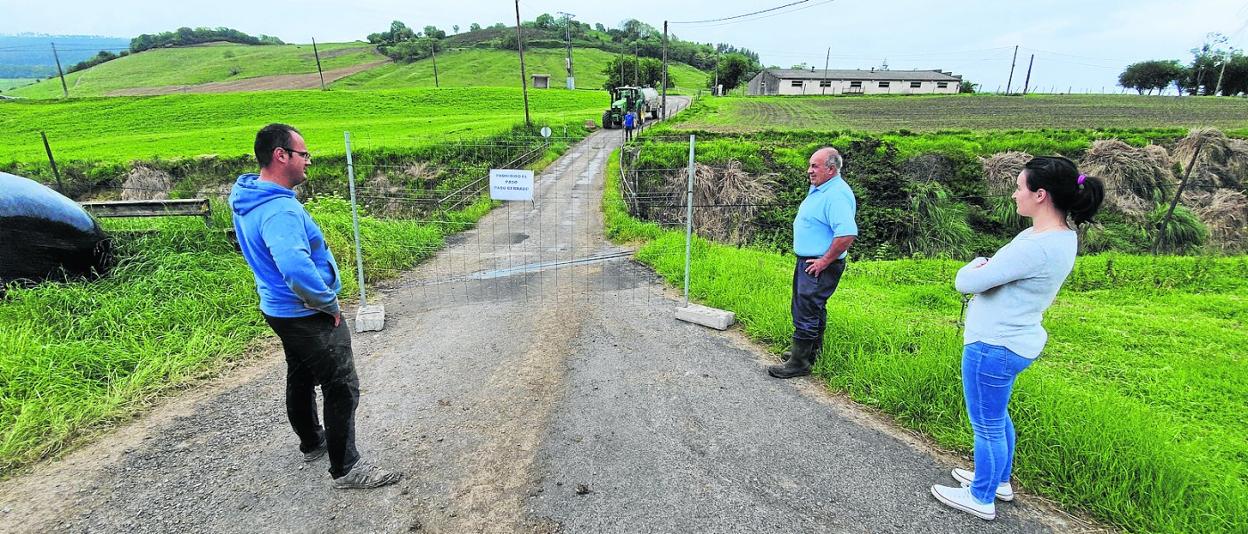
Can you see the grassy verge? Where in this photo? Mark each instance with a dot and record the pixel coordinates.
(1130, 414)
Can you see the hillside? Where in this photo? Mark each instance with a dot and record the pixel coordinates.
(195, 65)
(483, 67)
(122, 129)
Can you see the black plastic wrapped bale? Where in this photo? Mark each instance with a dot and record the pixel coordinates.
(44, 235)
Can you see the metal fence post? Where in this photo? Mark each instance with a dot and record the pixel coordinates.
(688, 219)
(355, 219)
(367, 318)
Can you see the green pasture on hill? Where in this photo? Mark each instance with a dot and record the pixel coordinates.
(1134, 412)
(501, 68)
(194, 65)
(121, 129)
(961, 112)
(10, 83)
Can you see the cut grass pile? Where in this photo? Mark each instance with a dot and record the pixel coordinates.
(123, 129)
(1133, 413)
(963, 112)
(501, 68)
(193, 65)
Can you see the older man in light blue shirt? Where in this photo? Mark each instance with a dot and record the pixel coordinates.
(822, 233)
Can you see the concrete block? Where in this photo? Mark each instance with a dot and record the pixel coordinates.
(709, 317)
(370, 318)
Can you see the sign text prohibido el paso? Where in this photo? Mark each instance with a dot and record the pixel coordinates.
(511, 184)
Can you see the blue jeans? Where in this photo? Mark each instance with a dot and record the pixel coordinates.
(988, 373)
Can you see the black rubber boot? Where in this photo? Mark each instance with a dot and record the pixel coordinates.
(799, 363)
(788, 353)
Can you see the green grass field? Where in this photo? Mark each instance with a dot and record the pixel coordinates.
(10, 83)
(1129, 414)
(201, 64)
(962, 112)
(480, 67)
(122, 129)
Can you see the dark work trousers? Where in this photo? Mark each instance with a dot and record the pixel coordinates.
(319, 354)
(628, 134)
(810, 297)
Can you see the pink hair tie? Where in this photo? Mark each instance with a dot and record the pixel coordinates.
(1080, 180)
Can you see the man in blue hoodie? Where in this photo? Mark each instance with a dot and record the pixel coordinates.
(298, 283)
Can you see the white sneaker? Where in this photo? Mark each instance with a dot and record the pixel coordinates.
(1005, 491)
(961, 499)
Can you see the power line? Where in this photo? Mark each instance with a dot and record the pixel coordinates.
(740, 16)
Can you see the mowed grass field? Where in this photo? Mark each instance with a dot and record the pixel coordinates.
(201, 64)
(962, 112)
(122, 129)
(478, 67)
(1135, 411)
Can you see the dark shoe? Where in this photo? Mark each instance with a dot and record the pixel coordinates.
(799, 364)
(788, 353)
(366, 476)
(315, 454)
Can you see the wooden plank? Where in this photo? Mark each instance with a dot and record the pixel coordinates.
(194, 207)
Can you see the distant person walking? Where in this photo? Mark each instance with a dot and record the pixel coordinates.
(1003, 332)
(630, 122)
(822, 233)
(298, 283)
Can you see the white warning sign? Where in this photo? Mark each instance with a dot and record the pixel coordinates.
(511, 184)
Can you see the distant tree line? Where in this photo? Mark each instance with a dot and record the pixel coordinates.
(1199, 77)
(186, 36)
(736, 65)
(101, 57)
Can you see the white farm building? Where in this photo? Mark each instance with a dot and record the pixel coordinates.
(853, 82)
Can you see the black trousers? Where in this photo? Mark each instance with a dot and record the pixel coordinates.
(319, 354)
(810, 297)
(628, 134)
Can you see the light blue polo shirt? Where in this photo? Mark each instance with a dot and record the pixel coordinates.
(826, 213)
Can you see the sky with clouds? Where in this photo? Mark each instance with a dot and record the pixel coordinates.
(1078, 44)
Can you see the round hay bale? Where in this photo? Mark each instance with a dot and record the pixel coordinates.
(1225, 214)
(1001, 171)
(146, 183)
(1222, 163)
(1136, 179)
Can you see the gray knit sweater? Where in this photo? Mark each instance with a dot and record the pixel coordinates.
(1013, 289)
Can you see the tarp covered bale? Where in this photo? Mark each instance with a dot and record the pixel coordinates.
(44, 235)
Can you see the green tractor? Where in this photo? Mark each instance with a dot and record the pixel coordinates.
(640, 100)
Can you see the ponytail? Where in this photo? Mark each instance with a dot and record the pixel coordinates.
(1077, 196)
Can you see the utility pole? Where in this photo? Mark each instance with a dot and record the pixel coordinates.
(524, 78)
(318, 63)
(1217, 89)
(1011, 79)
(823, 88)
(433, 49)
(716, 90)
(567, 33)
(64, 88)
(1027, 81)
(636, 67)
(663, 103)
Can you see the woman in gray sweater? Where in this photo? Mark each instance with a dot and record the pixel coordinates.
(1003, 333)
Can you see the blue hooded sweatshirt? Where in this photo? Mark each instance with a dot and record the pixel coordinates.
(296, 275)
